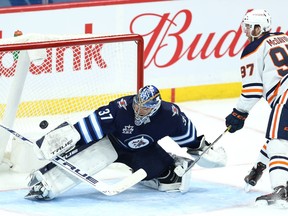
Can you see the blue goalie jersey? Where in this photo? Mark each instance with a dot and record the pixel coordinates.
(117, 119)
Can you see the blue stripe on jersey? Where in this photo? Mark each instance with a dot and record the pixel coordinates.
(263, 153)
(251, 96)
(271, 91)
(96, 126)
(188, 137)
(275, 102)
(284, 79)
(252, 85)
(84, 131)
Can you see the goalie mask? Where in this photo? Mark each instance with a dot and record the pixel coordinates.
(146, 103)
(259, 17)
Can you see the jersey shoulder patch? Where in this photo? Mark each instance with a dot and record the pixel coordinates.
(123, 102)
(170, 108)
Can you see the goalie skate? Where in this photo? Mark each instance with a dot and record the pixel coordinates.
(39, 189)
(38, 192)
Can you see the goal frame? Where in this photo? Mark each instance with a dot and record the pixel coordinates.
(85, 41)
(9, 121)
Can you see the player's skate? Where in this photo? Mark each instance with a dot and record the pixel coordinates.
(255, 174)
(214, 157)
(39, 189)
(278, 197)
(176, 179)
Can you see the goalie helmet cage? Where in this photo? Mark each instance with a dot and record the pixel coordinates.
(63, 78)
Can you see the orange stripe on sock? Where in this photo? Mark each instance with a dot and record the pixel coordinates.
(278, 162)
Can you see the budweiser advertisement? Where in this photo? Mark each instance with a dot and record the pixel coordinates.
(187, 43)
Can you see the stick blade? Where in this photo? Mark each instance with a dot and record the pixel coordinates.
(123, 185)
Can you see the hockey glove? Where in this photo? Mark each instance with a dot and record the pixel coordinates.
(236, 120)
(201, 144)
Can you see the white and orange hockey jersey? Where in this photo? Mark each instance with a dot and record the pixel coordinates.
(264, 71)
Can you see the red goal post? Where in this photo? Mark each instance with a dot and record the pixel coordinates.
(63, 77)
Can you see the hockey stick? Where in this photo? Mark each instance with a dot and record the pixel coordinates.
(102, 187)
(209, 147)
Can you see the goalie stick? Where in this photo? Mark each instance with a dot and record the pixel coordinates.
(102, 187)
(192, 163)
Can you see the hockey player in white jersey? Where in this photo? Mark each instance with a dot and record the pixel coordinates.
(264, 70)
(127, 130)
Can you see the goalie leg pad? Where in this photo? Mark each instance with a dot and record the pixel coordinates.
(57, 141)
(92, 159)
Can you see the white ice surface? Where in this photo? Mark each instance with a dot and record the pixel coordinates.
(217, 191)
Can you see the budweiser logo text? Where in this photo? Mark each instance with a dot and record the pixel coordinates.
(168, 39)
(169, 35)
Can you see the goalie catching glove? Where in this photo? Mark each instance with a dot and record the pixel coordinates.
(61, 139)
(214, 157)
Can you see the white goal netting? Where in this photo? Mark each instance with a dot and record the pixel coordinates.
(57, 78)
